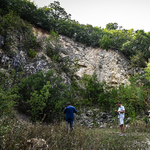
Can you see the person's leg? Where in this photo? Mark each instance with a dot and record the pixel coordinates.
(71, 125)
(122, 128)
(121, 123)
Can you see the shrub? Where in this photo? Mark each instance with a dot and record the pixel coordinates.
(31, 41)
(132, 98)
(43, 93)
(138, 60)
(52, 46)
(6, 96)
(105, 42)
(31, 53)
(92, 91)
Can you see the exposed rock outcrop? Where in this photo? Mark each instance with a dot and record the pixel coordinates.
(94, 116)
(110, 66)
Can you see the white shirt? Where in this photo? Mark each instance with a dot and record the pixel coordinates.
(121, 115)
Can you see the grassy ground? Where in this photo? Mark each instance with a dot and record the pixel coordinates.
(14, 135)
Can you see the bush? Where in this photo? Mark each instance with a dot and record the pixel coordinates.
(31, 41)
(31, 53)
(92, 91)
(43, 93)
(6, 96)
(132, 98)
(105, 42)
(52, 47)
(138, 60)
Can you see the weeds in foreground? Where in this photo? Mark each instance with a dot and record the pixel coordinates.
(14, 135)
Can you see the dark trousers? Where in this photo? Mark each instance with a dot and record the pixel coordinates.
(71, 124)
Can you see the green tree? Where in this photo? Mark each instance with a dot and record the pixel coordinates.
(42, 93)
(112, 26)
(147, 71)
(105, 42)
(58, 12)
(92, 91)
(52, 47)
(7, 97)
(138, 60)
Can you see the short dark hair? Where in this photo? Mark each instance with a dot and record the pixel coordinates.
(119, 103)
(68, 103)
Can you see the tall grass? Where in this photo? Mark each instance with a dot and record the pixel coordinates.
(14, 135)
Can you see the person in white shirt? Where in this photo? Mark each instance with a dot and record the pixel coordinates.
(148, 115)
(121, 115)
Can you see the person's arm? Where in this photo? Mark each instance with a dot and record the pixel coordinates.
(75, 111)
(65, 111)
(123, 111)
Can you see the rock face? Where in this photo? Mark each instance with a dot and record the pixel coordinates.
(110, 66)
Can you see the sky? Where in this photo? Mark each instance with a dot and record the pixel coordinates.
(127, 13)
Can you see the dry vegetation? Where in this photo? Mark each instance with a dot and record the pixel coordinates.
(14, 135)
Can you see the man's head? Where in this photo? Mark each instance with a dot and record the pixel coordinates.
(149, 111)
(68, 104)
(119, 104)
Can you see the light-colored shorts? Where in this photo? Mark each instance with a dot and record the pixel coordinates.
(121, 121)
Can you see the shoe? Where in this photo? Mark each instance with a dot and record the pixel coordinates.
(122, 134)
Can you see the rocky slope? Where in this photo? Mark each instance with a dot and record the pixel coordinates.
(110, 66)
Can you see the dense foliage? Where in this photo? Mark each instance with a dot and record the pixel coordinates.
(133, 97)
(43, 93)
(7, 96)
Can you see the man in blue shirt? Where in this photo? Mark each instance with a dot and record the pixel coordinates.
(69, 111)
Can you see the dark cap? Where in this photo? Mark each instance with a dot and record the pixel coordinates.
(119, 103)
(68, 103)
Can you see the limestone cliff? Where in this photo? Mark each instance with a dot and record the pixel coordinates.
(110, 66)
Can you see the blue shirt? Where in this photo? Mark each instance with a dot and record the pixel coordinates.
(69, 111)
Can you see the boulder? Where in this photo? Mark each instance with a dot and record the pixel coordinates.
(103, 115)
(103, 125)
(89, 113)
(91, 125)
(38, 144)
